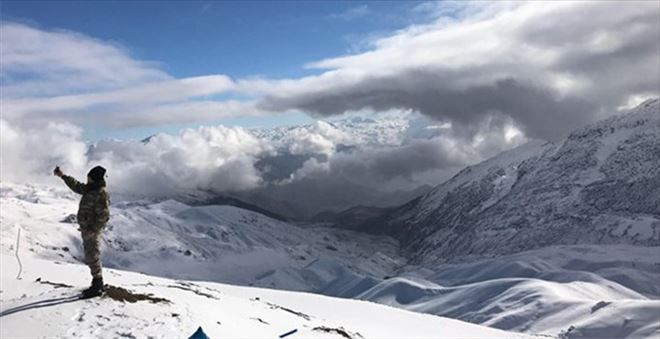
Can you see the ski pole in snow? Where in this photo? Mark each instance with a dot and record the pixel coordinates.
(20, 266)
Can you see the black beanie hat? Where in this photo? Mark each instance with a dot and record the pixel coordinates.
(97, 173)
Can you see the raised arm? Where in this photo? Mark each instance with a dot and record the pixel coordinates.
(70, 181)
(74, 184)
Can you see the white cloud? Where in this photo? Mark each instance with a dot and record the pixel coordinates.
(37, 62)
(408, 164)
(144, 94)
(179, 112)
(317, 138)
(31, 154)
(209, 158)
(54, 75)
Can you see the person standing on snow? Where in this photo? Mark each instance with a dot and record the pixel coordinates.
(93, 214)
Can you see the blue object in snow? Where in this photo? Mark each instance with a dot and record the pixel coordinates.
(199, 334)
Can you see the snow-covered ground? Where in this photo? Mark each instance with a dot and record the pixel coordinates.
(214, 243)
(32, 309)
(570, 291)
(224, 244)
(577, 291)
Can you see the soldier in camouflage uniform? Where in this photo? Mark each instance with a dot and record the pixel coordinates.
(93, 214)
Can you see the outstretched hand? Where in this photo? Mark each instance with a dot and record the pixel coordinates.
(58, 172)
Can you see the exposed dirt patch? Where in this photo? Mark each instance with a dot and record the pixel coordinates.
(122, 294)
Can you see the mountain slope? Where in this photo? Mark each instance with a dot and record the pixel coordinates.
(32, 308)
(525, 292)
(215, 243)
(578, 291)
(601, 185)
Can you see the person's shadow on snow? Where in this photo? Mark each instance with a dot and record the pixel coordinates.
(40, 304)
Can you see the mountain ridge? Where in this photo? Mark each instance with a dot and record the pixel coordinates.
(542, 194)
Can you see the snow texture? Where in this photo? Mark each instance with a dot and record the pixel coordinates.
(32, 308)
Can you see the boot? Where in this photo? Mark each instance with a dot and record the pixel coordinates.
(95, 290)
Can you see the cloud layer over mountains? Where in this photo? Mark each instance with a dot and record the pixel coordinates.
(480, 78)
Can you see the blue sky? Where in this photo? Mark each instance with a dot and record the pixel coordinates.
(247, 38)
(240, 39)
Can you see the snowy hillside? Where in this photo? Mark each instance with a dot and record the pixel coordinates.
(575, 291)
(215, 243)
(528, 292)
(601, 185)
(212, 243)
(40, 304)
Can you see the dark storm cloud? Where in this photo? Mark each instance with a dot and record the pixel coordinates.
(358, 177)
(549, 68)
(538, 112)
(396, 162)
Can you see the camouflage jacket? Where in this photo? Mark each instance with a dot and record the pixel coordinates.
(94, 208)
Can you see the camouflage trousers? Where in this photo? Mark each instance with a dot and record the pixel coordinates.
(91, 237)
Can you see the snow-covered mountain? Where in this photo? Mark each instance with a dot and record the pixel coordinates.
(202, 243)
(545, 238)
(528, 292)
(490, 246)
(214, 242)
(586, 291)
(601, 185)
